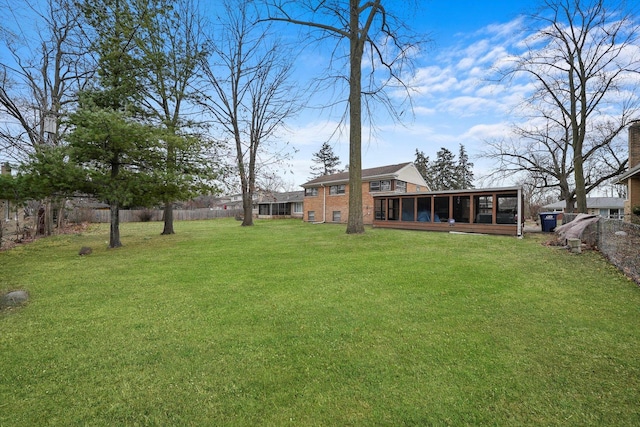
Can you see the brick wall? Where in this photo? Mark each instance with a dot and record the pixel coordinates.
(634, 145)
(633, 184)
(340, 203)
(633, 193)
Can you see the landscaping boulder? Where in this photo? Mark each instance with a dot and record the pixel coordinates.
(14, 299)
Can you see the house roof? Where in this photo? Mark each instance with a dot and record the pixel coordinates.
(593, 203)
(287, 197)
(404, 170)
(634, 171)
(447, 192)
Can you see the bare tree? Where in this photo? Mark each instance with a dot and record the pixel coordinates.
(373, 33)
(40, 80)
(48, 64)
(173, 52)
(584, 64)
(250, 97)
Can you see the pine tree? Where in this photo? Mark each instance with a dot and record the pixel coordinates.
(326, 160)
(110, 139)
(444, 170)
(444, 173)
(424, 166)
(464, 171)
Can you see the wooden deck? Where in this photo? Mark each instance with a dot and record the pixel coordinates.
(500, 229)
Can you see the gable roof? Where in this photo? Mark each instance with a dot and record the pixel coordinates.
(405, 171)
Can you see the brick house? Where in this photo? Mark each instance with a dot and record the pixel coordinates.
(326, 198)
(631, 178)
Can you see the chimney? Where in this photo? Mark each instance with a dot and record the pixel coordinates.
(634, 145)
(6, 168)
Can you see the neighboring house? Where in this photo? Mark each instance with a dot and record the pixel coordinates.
(326, 198)
(281, 205)
(631, 178)
(606, 207)
(234, 202)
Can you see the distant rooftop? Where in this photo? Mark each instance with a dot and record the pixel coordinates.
(593, 203)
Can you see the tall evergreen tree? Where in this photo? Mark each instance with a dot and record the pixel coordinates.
(445, 173)
(326, 162)
(110, 140)
(423, 164)
(444, 170)
(464, 171)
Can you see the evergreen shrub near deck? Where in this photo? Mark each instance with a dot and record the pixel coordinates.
(290, 323)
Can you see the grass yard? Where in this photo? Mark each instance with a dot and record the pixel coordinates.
(288, 323)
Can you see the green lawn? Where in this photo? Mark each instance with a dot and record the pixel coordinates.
(287, 323)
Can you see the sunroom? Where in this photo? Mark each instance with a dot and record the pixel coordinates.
(487, 211)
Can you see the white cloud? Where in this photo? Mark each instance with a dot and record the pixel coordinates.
(487, 131)
(468, 105)
(316, 133)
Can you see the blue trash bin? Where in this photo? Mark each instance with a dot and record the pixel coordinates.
(549, 221)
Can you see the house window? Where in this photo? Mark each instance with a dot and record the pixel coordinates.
(264, 209)
(311, 191)
(483, 209)
(380, 207)
(461, 208)
(311, 215)
(393, 210)
(507, 209)
(408, 213)
(611, 213)
(280, 209)
(385, 185)
(401, 186)
(424, 209)
(297, 207)
(336, 216)
(441, 209)
(337, 189)
(374, 186)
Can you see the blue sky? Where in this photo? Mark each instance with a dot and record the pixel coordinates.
(456, 104)
(455, 100)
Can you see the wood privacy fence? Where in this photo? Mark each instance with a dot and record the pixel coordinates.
(101, 215)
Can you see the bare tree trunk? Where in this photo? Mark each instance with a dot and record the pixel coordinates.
(60, 223)
(355, 223)
(48, 217)
(247, 207)
(581, 194)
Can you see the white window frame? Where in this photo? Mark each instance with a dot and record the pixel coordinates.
(335, 190)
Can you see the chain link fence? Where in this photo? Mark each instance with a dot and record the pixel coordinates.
(617, 240)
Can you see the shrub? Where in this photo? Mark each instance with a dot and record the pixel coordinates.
(146, 215)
